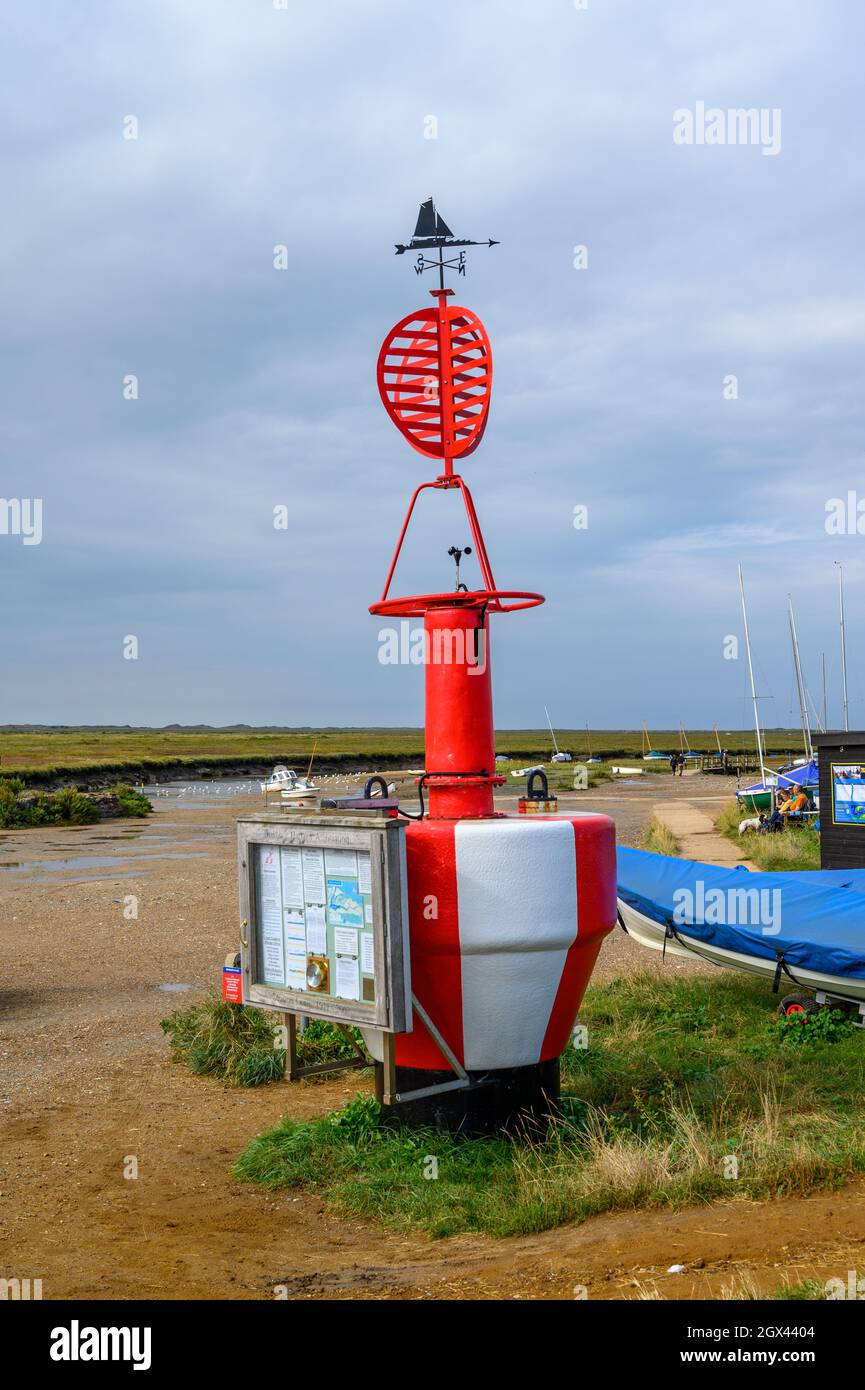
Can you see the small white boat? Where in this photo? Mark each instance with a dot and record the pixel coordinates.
(302, 790)
(281, 778)
(286, 781)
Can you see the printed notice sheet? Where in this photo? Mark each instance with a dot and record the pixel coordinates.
(313, 875)
(316, 931)
(270, 916)
(292, 878)
(345, 941)
(364, 882)
(341, 861)
(367, 953)
(347, 977)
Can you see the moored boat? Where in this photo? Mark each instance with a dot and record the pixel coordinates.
(286, 781)
(804, 930)
(760, 795)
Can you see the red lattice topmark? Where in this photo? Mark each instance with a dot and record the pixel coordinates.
(435, 373)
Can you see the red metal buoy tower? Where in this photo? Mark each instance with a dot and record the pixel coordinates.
(506, 913)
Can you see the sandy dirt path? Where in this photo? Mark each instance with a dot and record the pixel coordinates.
(697, 837)
(86, 1086)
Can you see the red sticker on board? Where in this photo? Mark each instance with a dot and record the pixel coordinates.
(232, 986)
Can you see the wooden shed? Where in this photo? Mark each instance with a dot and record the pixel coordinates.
(841, 760)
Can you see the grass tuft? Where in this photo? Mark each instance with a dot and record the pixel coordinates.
(241, 1045)
(132, 802)
(660, 839)
(22, 809)
(234, 1043)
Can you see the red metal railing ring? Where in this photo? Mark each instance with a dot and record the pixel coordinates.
(418, 604)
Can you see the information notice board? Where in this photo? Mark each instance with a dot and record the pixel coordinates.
(848, 793)
(324, 913)
(315, 920)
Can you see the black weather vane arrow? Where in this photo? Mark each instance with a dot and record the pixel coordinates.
(432, 233)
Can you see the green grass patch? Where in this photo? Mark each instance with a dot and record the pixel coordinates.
(781, 851)
(679, 1077)
(744, 1289)
(561, 777)
(808, 1291)
(241, 1045)
(22, 809)
(132, 802)
(46, 752)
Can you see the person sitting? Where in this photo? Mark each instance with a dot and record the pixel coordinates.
(777, 819)
(795, 804)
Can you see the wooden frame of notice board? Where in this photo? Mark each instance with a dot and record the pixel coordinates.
(326, 892)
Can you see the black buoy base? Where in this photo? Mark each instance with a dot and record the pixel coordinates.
(518, 1101)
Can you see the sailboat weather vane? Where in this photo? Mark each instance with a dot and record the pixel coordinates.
(434, 373)
(432, 233)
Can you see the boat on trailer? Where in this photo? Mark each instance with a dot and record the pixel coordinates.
(805, 930)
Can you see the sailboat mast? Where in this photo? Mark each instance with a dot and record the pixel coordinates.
(843, 643)
(555, 745)
(824, 720)
(311, 756)
(589, 740)
(751, 675)
(800, 684)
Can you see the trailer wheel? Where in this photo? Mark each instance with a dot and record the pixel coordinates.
(793, 1004)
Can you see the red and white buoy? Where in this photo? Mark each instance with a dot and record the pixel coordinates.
(506, 912)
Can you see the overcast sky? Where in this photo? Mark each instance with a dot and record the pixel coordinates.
(309, 126)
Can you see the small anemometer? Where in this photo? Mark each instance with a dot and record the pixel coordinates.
(458, 555)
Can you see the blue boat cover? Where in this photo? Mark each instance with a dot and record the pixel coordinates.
(839, 878)
(814, 920)
(806, 775)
